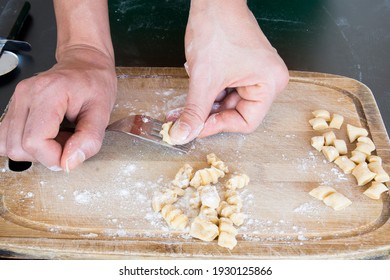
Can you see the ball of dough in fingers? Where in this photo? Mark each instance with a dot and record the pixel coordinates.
(165, 132)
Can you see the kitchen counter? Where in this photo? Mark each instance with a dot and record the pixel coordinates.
(336, 36)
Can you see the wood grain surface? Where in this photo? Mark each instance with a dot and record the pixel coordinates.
(102, 210)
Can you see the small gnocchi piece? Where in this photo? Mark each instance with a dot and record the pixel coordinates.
(367, 140)
(183, 176)
(330, 197)
(237, 182)
(206, 176)
(362, 174)
(329, 138)
(345, 164)
(232, 212)
(358, 157)
(337, 121)
(355, 132)
(227, 234)
(340, 146)
(381, 174)
(203, 229)
(321, 113)
(318, 142)
(318, 123)
(364, 148)
(375, 190)
(209, 196)
(213, 160)
(162, 198)
(208, 213)
(337, 201)
(321, 192)
(373, 158)
(232, 197)
(165, 132)
(195, 200)
(174, 217)
(330, 153)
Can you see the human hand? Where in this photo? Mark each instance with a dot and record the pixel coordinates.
(80, 87)
(235, 73)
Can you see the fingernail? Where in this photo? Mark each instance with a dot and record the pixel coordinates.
(74, 160)
(179, 132)
(55, 168)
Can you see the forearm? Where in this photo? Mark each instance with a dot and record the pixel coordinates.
(83, 23)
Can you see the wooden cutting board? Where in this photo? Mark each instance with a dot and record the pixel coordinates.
(103, 209)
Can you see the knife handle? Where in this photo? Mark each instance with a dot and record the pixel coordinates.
(12, 16)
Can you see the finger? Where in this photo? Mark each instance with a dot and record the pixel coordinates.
(245, 117)
(41, 130)
(88, 137)
(200, 98)
(18, 113)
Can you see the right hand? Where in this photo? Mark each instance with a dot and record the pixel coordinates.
(81, 87)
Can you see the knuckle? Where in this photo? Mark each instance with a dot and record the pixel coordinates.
(194, 112)
(29, 143)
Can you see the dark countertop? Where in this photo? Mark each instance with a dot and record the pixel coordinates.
(349, 38)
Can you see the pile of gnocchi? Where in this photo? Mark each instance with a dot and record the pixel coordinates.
(217, 218)
(363, 165)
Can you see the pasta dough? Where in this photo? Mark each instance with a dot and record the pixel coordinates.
(331, 197)
(217, 163)
(209, 196)
(345, 164)
(355, 132)
(165, 132)
(174, 217)
(375, 190)
(183, 176)
(206, 176)
(203, 229)
(362, 174)
(318, 123)
(318, 142)
(337, 121)
(237, 182)
(227, 234)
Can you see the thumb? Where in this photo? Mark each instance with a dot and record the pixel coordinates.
(87, 139)
(198, 105)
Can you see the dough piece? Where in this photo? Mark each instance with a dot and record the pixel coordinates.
(372, 158)
(206, 176)
(345, 164)
(330, 153)
(165, 132)
(381, 174)
(340, 146)
(355, 132)
(318, 123)
(362, 174)
(367, 140)
(195, 200)
(174, 217)
(209, 196)
(237, 182)
(375, 190)
(321, 113)
(227, 234)
(358, 157)
(321, 192)
(162, 198)
(209, 214)
(318, 142)
(232, 212)
(232, 197)
(364, 148)
(337, 121)
(213, 160)
(203, 229)
(329, 138)
(183, 176)
(337, 201)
